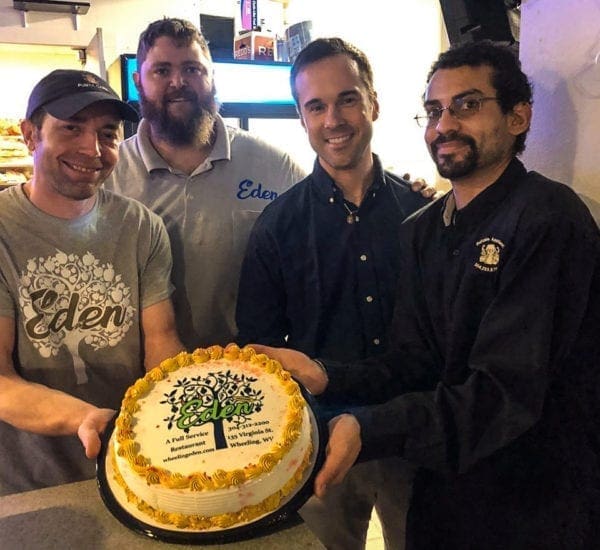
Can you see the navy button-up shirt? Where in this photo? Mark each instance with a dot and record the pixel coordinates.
(320, 273)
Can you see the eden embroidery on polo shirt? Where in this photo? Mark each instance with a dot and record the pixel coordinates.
(247, 190)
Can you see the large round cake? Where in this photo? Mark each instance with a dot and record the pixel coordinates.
(211, 439)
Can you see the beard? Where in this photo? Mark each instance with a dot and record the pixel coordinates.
(197, 127)
(448, 166)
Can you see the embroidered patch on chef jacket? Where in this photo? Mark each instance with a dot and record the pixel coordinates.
(490, 250)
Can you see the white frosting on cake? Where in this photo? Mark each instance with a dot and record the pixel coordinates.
(221, 438)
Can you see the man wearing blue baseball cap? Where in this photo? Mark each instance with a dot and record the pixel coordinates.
(84, 287)
(65, 92)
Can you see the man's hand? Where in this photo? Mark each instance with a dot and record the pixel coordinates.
(300, 366)
(419, 185)
(342, 450)
(93, 424)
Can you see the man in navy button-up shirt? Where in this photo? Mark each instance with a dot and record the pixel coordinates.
(321, 267)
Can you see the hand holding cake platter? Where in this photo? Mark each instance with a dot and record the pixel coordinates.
(213, 446)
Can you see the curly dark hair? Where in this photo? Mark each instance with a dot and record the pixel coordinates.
(181, 31)
(322, 48)
(511, 83)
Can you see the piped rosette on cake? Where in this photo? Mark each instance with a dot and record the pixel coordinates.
(211, 439)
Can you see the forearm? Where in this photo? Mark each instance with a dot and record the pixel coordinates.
(379, 379)
(160, 334)
(436, 425)
(35, 408)
(160, 349)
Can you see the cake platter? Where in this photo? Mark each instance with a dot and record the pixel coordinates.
(115, 499)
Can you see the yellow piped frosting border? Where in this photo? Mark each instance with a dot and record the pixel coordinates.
(219, 479)
(222, 521)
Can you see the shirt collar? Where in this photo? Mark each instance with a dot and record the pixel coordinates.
(327, 190)
(449, 209)
(222, 148)
(486, 201)
(153, 161)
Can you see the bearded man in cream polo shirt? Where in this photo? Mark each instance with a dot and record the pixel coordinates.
(208, 182)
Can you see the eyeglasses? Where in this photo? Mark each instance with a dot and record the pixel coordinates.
(460, 108)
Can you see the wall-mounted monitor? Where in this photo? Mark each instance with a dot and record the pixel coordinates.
(245, 89)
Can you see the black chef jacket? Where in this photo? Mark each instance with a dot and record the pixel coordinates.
(493, 375)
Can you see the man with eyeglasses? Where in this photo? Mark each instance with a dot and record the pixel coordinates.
(492, 380)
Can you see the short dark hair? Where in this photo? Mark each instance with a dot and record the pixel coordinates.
(181, 31)
(511, 83)
(328, 47)
(37, 117)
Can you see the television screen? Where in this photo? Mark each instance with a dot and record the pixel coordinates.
(253, 82)
(128, 67)
(244, 88)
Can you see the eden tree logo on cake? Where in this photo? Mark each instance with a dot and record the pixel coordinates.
(213, 398)
(67, 300)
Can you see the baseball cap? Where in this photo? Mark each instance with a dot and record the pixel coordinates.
(65, 92)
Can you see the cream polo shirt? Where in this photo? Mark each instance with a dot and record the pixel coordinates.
(208, 215)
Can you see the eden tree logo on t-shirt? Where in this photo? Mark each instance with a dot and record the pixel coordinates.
(66, 299)
(213, 398)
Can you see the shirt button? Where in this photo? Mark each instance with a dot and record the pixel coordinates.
(369, 299)
(363, 258)
(455, 252)
(376, 341)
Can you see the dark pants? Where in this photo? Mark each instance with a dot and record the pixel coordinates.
(341, 519)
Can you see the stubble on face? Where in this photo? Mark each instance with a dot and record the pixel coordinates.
(196, 127)
(449, 165)
(72, 158)
(338, 113)
(478, 148)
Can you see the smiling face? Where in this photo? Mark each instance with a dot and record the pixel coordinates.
(72, 158)
(177, 92)
(337, 113)
(481, 145)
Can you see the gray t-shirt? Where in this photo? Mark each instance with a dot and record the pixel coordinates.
(209, 215)
(75, 289)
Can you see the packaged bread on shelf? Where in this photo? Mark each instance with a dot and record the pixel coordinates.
(9, 127)
(11, 176)
(12, 148)
(15, 158)
(12, 145)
